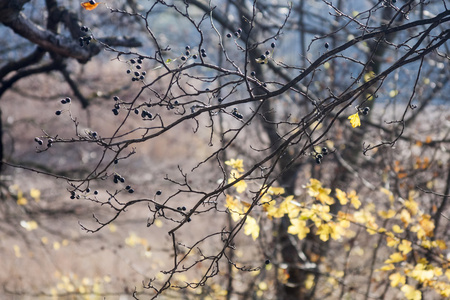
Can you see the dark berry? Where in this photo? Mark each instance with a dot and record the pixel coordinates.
(138, 67)
(144, 73)
(366, 111)
(187, 53)
(68, 100)
(128, 71)
(239, 31)
(327, 45)
(183, 58)
(95, 192)
(131, 191)
(267, 52)
(49, 142)
(136, 111)
(324, 150)
(187, 47)
(115, 111)
(137, 74)
(142, 77)
(267, 261)
(116, 106)
(88, 190)
(116, 98)
(263, 57)
(220, 99)
(188, 219)
(320, 156)
(183, 208)
(273, 45)
(229, 35)
(116, 161)
(204, 54)
(253, 73)
(178, 208)
(158, 193)
(202, 50)
(58, 112)
(63, 101)
(236, 34)
(318, 160)
(128, 187)
(121, 179)
(139, 61)
(92, 2)
(132, 61)
(194, 56)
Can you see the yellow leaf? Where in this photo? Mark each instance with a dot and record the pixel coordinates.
(89, 5)
(397, 229)
(251, 227)
(342, 196)
(369, 75)
(241, 185)
(405, 247)
(309, 282)
(237, 164)
(392, 242)
(29, 225)
(22, 201)
(56, 245)
(354, 120)
(323, 232)
(112, 228)
(394, 258)
(386, 214)
(35, 194)
(354, 199)
(421, 273)
(387, 267)
(44, 240)
(427, 225)
(393, 93)
(397, 279)
(158, 223)
(411, 293)
(17, 251)
(405, 216)
(316, 190)
(299, 228)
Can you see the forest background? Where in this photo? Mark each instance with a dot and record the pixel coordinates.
(224, 149)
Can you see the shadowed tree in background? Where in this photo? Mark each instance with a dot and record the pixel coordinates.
(270, 88)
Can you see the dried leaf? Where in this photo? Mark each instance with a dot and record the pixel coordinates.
(89, 5)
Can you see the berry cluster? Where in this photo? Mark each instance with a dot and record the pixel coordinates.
(40, 142)
(237, 33)
(85, 39)
(319, 156)
(63, 101)
(235, 113)
(365, 111)
(118, 178)
(129, 189)
(137, 65)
